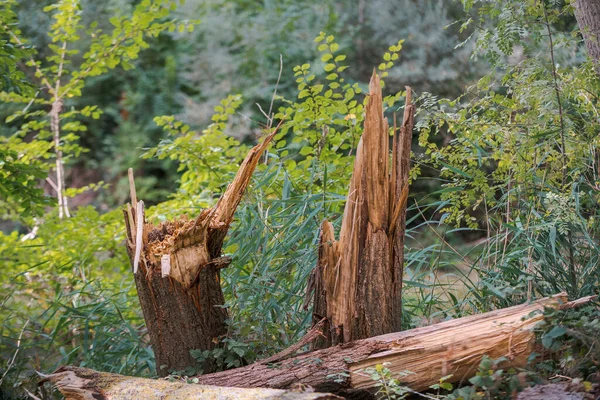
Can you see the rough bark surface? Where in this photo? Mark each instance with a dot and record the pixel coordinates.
(176, 268)
(587, 13)
(85, 384)
(358, 279)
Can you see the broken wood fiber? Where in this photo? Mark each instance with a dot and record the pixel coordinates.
(77, 383)
(358, 278)
(453, 347)
(176, 267)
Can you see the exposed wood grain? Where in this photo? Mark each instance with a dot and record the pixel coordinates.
(176, 269)
(451, 347)
(85, 384)
(358, 279)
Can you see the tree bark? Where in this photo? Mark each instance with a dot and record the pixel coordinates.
(587, 13)
(358, 279)
(452, 347)
(83, 383)
(176, 269)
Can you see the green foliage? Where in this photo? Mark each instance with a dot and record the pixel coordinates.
(322, 129)
(19, 186)
(571, 337)
(493, 382)
(517, 156)
(63, 74)
(62, 302)
(208, 160)
(387, 386)
(231, 355)
(62, 299)
(519, 163)
(11, 53)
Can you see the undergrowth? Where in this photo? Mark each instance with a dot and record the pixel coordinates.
(512, 214)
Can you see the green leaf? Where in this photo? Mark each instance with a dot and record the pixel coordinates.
(306, 150)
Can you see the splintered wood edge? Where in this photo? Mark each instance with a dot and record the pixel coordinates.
(139, 236)
(400, 352)
(230, 200)
(132, 192)
(218, 217)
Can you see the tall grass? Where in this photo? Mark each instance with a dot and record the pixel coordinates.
(88, 325)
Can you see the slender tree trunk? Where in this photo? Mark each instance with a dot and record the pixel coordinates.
(358, 279)
(587, 13)
(176, 268)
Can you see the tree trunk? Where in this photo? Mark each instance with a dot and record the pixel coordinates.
(176, 269)
(83, 383)
(358, 279)
(452, 347)
(587, 13)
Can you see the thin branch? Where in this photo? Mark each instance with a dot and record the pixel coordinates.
(37, 68)
(63, 207)
(12, 361)
(275, 91)
(572, 272)
(556, 89)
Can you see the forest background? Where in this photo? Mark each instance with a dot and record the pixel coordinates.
(504, 196)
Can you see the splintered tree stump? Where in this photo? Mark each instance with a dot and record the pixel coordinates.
(358, 278)
(176, 269)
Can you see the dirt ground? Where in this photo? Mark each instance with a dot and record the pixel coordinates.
(559, 391)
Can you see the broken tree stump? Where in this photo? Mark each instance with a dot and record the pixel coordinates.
(83, 383)
(358, 278)
(176, 270)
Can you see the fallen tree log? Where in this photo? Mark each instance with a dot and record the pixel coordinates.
(453, 347)
(83, 383)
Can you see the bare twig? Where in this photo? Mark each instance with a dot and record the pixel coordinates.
(12, 361)
(556, 89)
(275, 91)
(33, 396)
(572, 272)
(314, 332)
(132, 192)
(269, 115)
